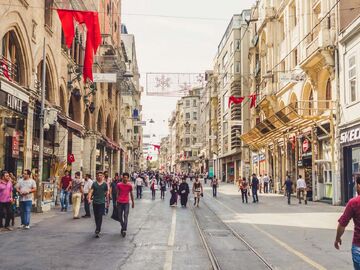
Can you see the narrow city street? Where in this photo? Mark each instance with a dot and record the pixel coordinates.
(236, 236)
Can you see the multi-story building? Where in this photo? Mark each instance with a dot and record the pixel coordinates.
(208, 125)
(232, 72)
(82, 118)
(292, 60)
(349, 95)
(164, 156)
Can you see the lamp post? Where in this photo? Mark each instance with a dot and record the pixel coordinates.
(41, 143)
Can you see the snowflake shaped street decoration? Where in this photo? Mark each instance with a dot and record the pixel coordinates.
(200, 78)
(185, 87)
(162, 82)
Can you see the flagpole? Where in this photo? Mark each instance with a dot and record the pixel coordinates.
(41, 142)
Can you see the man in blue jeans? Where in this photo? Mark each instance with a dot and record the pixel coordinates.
(26, 188)
(352, 211)
(64, 193)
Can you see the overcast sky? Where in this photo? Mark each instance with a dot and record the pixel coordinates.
(177, 44)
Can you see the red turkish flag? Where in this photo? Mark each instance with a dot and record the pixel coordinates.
(5, 70)
(156, 147)
(253, 100)
(71, 158)
(93, 37)
(235, 100)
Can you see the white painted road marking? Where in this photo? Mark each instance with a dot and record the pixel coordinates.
(171, 242)
(281, 243)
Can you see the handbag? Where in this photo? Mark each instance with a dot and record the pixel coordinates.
(115, 215)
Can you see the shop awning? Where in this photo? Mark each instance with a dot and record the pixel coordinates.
(283, 122)
(68, 123)
(110, 143)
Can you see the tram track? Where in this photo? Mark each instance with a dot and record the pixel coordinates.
(215, 261)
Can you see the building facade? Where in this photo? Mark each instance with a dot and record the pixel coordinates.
(292, 58)
(83, 130)
(349, 95)
(231, 70)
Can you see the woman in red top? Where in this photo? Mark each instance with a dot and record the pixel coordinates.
(124, 188)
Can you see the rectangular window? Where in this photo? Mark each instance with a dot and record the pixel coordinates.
(352, 78)
(194, 103)
(194, 129)
(187, 130)
(194, 140)
(237, 45)
(237, 67)
(48, 12)
(194, 115)
(187, 141)
(187, 103)
(231, 48)
(187, 116)
(225, 59)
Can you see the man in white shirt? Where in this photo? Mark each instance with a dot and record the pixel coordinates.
(87, 186)
(139, 182)
(301, 189)
(266, 180)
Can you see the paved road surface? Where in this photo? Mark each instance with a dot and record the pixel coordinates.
(163, 237)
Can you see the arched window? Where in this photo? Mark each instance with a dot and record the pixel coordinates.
(311, 102)
(99, 122)
(328, 94)
(48, 83)
(62, 101)
(12, 63)
(108, 128)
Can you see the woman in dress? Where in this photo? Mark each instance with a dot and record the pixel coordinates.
(174, 193)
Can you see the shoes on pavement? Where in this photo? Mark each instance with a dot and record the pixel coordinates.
(9, 229)
(76, 217)
(123, 233)
(27, 227)
(305, 202)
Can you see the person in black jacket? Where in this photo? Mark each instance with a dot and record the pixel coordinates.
(255, 188)
(184, 192)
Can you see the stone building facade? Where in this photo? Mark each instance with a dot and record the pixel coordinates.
(84, 118)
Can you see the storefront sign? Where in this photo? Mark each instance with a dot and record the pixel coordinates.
(350, 136)
(15, 144)
(257, 158)
(105, 77)
(300, 163)
(306, 145)
(12, 102)
(47, 150)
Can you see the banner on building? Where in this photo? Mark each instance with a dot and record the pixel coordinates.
(105, 77)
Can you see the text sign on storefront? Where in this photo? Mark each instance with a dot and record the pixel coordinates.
(12, 102)
(350, 135)
(15, 144)
(47, 150)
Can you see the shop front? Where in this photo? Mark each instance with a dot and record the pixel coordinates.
(305, 163)
(350, 161)
(13, 115)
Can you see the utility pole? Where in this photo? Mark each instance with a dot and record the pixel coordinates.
(41, 143)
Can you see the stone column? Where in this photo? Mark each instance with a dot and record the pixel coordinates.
(89, 156)
(77, 151)
(116, 162)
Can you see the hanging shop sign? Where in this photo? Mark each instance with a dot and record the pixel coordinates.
(15, 149)
(306, 146)
(105, 77)
(47, 150)
(350, 136)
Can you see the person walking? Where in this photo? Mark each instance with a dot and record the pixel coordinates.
(76, 190)
(153, 188)
(244, 187)
(108, 181)
(26, 187)
(301, 189)
(98, 194)
(113, 189)
(64, 190)
(6, 198)
(254, 188)
(174, 193)
(124, 189)
(352, 211)
(197, 190)
(214, 184)
(266, 181)
(184, 191)
(162, 188)
(139, 182)
(87, 186)
(288, 188)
